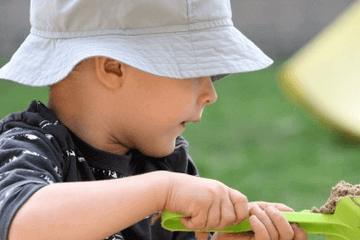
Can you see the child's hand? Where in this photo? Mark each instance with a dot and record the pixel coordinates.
(267, 223)
(208, 203)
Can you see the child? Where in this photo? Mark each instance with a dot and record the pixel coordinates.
(125, 77)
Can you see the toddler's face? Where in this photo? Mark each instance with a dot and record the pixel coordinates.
(157, 108)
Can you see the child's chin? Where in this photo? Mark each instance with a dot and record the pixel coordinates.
(159, 152)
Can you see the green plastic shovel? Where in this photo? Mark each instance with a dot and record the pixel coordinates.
(343, 224)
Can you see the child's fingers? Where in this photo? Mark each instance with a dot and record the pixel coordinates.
(259, 229)
(224, 216)
(214, 216)
(218, 217)
(233, 236)
(283, 228)
(201, 235)
(299, 233)
(198, 220)
(283, 207)
(213, 219)
(228, 214)
(263, 217)
(278, 226)
(240, 204)
(264, 205)
(195, 223)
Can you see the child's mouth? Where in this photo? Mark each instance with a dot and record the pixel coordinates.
(183, 123)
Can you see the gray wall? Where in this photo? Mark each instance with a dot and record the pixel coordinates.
(279, 27)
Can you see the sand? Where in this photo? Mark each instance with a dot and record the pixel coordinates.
(341, 190)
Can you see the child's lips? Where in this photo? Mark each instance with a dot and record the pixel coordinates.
(183, 123)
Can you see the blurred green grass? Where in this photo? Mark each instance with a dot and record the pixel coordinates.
(254, 140)
(15, 97)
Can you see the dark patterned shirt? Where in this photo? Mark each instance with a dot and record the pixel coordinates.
(37, 150)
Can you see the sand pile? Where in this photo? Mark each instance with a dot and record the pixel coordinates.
(341, 190)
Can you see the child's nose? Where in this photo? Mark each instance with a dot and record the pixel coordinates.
(209, 94)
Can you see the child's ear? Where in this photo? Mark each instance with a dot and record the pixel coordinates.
(109, 72)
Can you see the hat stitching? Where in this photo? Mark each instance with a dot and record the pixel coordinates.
(176, 57)
(190, 27)
(149, 38)
(165, 50)
(234, 58)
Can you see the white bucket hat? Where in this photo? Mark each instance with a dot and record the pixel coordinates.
(169, 38)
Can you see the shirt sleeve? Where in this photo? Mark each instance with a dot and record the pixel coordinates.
(28, 162)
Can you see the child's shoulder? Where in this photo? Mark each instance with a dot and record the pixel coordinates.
(36, 123)
(36, 116)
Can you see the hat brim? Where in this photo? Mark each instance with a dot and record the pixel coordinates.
(208, 52)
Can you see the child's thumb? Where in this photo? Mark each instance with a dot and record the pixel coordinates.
(201, 235)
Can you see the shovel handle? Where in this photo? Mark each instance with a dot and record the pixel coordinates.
(309, 221)
(171, 222)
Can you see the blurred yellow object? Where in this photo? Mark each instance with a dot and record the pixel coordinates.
(324, 76)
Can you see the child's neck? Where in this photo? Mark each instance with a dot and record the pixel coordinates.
(86, 122)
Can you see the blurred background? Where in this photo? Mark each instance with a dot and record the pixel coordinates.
(253, 138)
